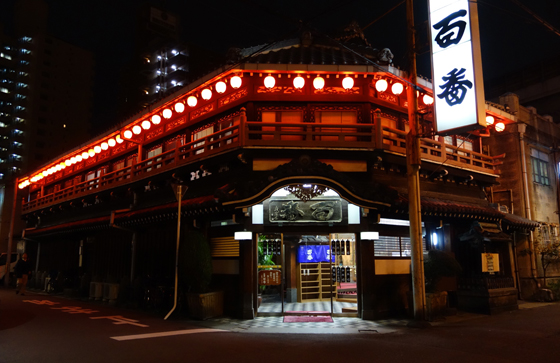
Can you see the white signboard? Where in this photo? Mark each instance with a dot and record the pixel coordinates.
(456, 66)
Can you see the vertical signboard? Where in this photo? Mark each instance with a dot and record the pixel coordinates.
(456, 66)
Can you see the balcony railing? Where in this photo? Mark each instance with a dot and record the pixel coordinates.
(255, 134)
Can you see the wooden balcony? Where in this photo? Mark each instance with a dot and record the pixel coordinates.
(261, 135)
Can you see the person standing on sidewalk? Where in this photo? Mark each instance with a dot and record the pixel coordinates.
(22, 271)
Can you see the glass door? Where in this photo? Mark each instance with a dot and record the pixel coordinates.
(270, 274)
(344, 275)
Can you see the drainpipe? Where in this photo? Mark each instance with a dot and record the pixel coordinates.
(521, 129)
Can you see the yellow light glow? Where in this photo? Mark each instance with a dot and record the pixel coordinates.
(104, 146)
(127, 134)
(119, 139)
(428, 100)
(319, 83)
(397, 88)
(167, 113)
(112, 142)
(206, 94)
(136, 130)
(192, 101)
(146, 125)
(348, 83)
(489, 120)
(500, 126)
(235, 82)
(299, 82)
(179, 107)
(91, 152)
(62, 165)
(381, 85)
(269, 82)
(97, 149)
(221, 87)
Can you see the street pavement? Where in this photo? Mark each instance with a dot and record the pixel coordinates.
(45, 328)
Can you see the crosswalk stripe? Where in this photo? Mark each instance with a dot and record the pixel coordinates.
(167, 334)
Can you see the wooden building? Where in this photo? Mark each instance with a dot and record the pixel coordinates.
(301, 143)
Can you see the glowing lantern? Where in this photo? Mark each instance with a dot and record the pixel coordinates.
(192, 101)
(235, 82)
(85, 155)
(318, 82)
(72, 160)
(78, 158)
(104, 146)
(119, 139)
(136, 130)
(127, 134)
(91, 153)
(179, 107)
(62, 165)
(500, 126)
(397, 88)
(97, 149)
(381, 85)
(220, 87)
(489, 120)
(146, 125)
(67, 162)
(167, 113)
(269, 82)
(156, 119)
(299, 82)
(112, 142)
(348, 83)
(206, 94)
(428, 100)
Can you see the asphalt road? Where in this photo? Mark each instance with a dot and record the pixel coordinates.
(40, 328)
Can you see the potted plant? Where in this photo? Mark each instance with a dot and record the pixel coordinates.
(262, 260)
(438, 264)
(196, 272)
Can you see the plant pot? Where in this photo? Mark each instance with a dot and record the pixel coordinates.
(204, 306)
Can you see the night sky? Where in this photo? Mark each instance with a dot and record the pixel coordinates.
(510, 37)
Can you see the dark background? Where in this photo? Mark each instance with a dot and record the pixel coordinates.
(511, 38)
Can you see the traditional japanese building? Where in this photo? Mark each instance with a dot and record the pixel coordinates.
(300, 144)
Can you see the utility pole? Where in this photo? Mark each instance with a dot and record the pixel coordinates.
(413, 172)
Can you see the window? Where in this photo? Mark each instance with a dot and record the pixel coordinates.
(539, 160)
(336, 117)
(201, 134)
(286, 133)
(152, 154)
(394, 246)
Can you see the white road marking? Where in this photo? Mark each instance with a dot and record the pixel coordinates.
(168, 334)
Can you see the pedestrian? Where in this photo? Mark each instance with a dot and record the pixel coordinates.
(22, 270)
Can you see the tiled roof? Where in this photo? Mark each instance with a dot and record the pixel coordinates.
(451, 208)
(512, 221)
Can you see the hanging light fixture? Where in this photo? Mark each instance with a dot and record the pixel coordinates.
(428, 100)
(146, 124)
(397, 88)
(235, 82)
(381, 85)
(221, 87)
(179, 107)
(348, 83)
(119, 139)
(489, 120)
(500, 126)
(269, 82)
(206, 94)
(104, 146)
(299, 82)
(127, 134)
(97, 149)
(112, 142)
(156, 119)
(91, 153)
(319, 82)
(136, 130)
(85, 155)
(192, 101)
(78, 158)
(167, 113)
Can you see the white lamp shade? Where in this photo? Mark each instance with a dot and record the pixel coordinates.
(243, 235)
(369, 235)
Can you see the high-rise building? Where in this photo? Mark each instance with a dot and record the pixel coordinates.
(45, 98)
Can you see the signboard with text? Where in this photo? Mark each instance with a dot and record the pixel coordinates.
(270, 277)
(459, 103)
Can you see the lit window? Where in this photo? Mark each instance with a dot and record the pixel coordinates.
(4, 90)
(174, 67)
(7, 56)
(393, 246)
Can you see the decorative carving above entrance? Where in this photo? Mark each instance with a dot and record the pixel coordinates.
(293, 210)
(305, 194)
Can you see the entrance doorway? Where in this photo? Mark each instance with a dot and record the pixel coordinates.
(307, 274)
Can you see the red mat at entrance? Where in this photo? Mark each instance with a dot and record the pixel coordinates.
(307, 319)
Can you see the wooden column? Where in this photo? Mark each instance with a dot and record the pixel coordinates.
(367, 278)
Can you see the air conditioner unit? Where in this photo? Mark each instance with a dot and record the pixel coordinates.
(95, 290)
(110, 292)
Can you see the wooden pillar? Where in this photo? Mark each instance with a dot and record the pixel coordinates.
(246, 271)
(367, 278)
